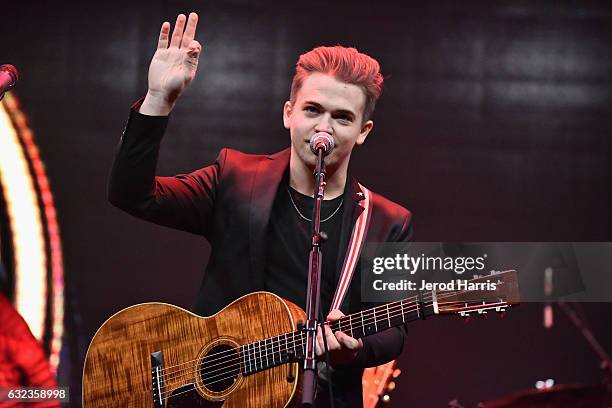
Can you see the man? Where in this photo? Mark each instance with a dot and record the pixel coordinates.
(255, 210)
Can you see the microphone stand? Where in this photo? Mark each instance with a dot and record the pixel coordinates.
(606, 362)
(309, 383)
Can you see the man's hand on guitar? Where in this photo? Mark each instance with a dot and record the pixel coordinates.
(173, 66)
(342, 347)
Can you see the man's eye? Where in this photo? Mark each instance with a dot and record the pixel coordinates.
(311, 109)
(344, 119)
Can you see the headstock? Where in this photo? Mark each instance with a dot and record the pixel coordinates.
(492, 292)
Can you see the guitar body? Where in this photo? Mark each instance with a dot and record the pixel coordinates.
(119, 370)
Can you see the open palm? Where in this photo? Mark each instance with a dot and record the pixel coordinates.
(175, 62)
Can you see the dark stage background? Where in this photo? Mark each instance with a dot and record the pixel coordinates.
(494, 125)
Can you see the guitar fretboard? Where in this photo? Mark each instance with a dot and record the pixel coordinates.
(288, 347)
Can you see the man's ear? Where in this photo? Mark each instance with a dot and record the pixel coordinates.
(365, 130)
(287, 110)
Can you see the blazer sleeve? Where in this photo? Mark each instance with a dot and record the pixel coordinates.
(387, 345)
(184, 202)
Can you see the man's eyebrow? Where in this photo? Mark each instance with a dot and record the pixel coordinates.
(338, 111)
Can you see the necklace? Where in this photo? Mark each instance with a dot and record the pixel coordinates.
(308, 219)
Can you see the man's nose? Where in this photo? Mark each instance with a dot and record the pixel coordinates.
(325, 124)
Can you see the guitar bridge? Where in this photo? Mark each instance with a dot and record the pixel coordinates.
(157, 378)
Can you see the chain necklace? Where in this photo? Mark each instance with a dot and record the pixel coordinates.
(308, 219)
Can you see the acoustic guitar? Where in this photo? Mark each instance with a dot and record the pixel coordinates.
(248, 354)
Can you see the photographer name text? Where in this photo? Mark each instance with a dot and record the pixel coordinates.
(407, 285)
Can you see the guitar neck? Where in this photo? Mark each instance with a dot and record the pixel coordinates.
(289, 347)
(379, 318)
(494, 292)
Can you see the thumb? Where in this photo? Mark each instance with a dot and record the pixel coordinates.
(194, 49)
(334, 315)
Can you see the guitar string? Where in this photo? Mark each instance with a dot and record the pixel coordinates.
(301, 341)
(263, 349)
(267, 349)
(260, 358)
(235, 366)
(191, 380)
(260, 355)
(238, 365)
(369, 312)
(278, 340)
(273, 342)
(344, 325)
(267, 352)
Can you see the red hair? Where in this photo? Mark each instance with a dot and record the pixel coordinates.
(346, 65)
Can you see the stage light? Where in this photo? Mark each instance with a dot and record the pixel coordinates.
(34, 230)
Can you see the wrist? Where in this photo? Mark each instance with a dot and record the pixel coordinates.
(156, 104)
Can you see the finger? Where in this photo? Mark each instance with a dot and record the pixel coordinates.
(194, 49)
(347, 341)
(334, 315)
(319, 349)
(190, 30)
(177, 34)
(332, 341)
(162, 43)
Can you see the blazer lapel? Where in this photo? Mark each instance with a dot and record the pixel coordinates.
(267, 178)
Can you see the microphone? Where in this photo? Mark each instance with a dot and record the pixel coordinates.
(8, 78)
(323, 141)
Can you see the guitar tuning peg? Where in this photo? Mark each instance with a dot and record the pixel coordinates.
(386, 398)
(396, 373)
(391, 386)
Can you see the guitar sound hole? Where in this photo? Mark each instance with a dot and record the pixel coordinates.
(220, 368)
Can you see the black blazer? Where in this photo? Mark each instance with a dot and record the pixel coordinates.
(229, 203)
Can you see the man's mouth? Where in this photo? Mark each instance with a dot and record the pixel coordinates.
(307, 141)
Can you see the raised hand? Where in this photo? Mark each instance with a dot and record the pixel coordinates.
(173, 66)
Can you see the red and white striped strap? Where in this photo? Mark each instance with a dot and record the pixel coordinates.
(354, 250)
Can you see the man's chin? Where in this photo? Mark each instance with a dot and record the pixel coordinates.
(310, 160)
(307, 157)
(330, 162)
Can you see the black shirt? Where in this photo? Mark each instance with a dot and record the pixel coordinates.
(289, 234)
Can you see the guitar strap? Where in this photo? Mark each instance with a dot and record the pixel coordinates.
(360, 229)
